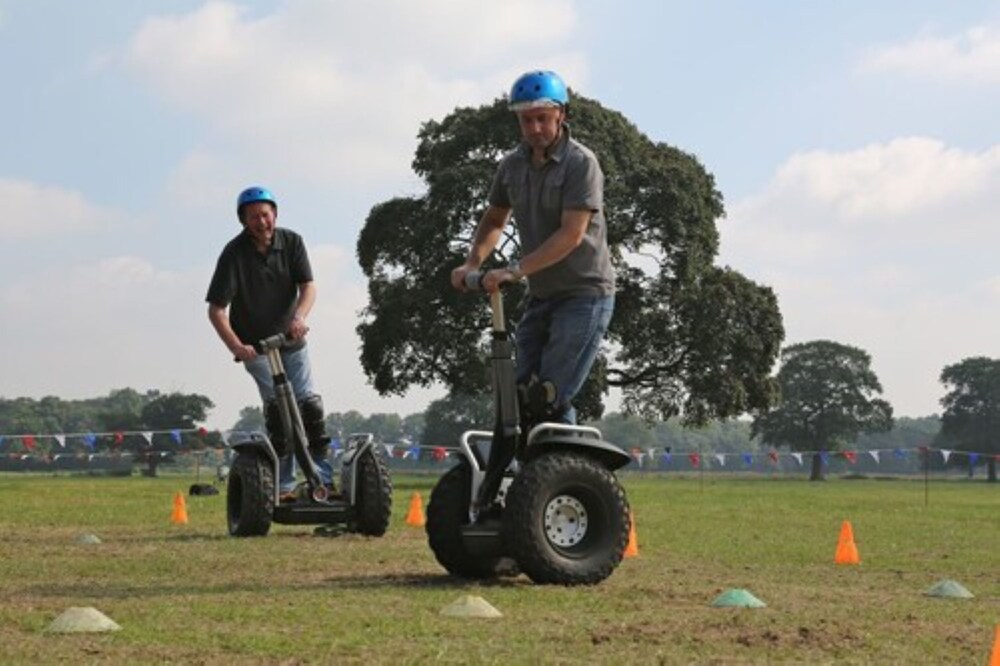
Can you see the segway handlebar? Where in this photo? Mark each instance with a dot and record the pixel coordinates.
(267, 344)
(474, 281)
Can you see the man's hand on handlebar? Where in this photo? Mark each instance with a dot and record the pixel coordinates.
(458, 276)
(244, 353)
(497, 277)
(467, 278)
(297, 329)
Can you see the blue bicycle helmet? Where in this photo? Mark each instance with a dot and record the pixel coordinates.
(253, 194)
(538, 89)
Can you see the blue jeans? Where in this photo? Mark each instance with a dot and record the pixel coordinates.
(299, 373)
(558, 340)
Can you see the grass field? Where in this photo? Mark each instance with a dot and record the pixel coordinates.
(191, 594)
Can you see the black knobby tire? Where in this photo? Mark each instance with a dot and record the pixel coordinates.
(567, 520)
(373, 494)
(447, 511)
(250, 495)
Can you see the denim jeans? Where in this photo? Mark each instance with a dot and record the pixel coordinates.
(558, 340)
(299, 373)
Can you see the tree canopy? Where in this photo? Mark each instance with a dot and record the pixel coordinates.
(121, 410)
(687, 337)
(971, 418)
(828, 396)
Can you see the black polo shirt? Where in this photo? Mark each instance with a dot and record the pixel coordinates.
(261, 290)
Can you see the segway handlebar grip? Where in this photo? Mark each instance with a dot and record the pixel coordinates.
(474, 280)
(274, 342)
(263, 346)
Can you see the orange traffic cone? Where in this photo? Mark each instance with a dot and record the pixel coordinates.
(847, 551)
(415, 516)
(995, 658)
(180, 514)
(632, 549)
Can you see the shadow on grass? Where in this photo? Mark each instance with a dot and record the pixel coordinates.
(403, 580)
(104, 590)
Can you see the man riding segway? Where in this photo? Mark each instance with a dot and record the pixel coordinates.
(562, 515)
(260, 295)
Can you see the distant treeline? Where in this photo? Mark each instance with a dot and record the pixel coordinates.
(130, 410)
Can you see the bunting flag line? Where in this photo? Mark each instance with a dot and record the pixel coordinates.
(37, 445)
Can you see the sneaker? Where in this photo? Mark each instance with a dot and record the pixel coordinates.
(287, 497)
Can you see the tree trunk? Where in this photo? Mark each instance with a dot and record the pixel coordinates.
(991, 470)
(817, 468)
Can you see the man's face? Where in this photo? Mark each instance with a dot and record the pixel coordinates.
(259, 219)
(540, 127)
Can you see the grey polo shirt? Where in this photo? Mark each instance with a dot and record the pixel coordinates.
(261, 290)
(571, 179)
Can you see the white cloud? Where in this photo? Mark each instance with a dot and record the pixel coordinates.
(329, 90)
(122, 321)
(890, 247)
(970, 57)
(32, 210)
(908, 192)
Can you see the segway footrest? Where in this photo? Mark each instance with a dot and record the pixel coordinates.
(337, 511)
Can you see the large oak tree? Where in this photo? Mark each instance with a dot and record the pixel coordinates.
(971, 418)
(829, 395)
(688, 337)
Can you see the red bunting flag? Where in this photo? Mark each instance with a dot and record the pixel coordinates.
(852, 456)
(438, 454)
(119, 438)
(695, 459)
(202, 431)
(773, 455)
(29, 442)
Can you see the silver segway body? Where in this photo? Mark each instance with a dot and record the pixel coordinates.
(253, 502)
(548, 501)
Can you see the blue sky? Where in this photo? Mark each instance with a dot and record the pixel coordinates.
(855, 144)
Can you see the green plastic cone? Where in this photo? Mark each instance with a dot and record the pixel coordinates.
(737, 599)
(948, 589)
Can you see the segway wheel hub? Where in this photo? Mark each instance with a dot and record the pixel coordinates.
(565, 521)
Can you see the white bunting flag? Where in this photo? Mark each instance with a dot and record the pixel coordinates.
(874, 454)
(946, 453)
(148, 436)
(721, 457)
(798, 457)
(62, 441)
